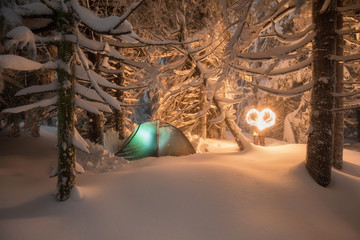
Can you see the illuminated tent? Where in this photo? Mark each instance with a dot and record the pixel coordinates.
(154, 139)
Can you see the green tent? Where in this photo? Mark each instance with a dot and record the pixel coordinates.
(154, 139)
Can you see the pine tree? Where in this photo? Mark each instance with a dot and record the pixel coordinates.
(72, 64)
(320, 141)
(65, 106)
(265, 50)
(339, 102)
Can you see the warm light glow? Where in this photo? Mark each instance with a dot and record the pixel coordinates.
(264, 119)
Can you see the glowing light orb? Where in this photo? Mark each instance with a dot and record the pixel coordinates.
(264, 119)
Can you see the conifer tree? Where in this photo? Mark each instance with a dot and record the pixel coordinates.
(320, 141)
(71, 64)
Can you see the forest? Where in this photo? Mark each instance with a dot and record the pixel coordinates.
(89, 66)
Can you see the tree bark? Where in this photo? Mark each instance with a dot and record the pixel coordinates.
(15, 125)
(66, 110)
(96, 126)
(358, 124)
(203, 119)
(339, 103)
(119, 116)
(320, 141)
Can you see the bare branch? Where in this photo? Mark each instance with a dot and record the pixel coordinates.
(128, 12)
(353, 7)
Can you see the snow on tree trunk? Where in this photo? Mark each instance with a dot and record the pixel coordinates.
(289, 135)
(240, 139)
(66, 110)
(339, 103)
(320, 141)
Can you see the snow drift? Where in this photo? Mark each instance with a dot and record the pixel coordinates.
(262, 193)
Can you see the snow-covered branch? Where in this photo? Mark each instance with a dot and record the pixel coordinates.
(38, 88)
(174, 65)
(129, 10)
(346, 94)
(286, 93)
(229, 100)
(94, 107)
(353, 57)
(80, 142)
(19, 63)
(110, 25)
(41, 103)
(249, 34)
(87, 92)
(38, 9)
(109, 99)
(347, 31)
(325, 6)
(93, 45)
(275, 14)
(349, 105)
(141, 65)
(289, 37)
(278, 71)
(279, 52)
(353, 7)
(89, 75)
(203, 111)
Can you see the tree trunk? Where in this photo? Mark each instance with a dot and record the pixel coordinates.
(202, 105)
(320, 141)
(358, 124)
(119, 116)
(96, 126)
(15, 125)
(240, 139)
(66, 110)
(201, 128)
(339, 103)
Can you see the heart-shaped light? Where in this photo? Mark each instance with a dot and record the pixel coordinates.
(264, 119)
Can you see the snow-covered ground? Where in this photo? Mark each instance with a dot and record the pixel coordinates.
(261, 193)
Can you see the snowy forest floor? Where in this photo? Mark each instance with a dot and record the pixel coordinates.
(260, 193)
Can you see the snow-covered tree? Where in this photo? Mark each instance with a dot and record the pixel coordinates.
(186, 64)
(267, 49)
(181, 77)
(321, 131)
(347, 72)
(294, 51)
(76, 84)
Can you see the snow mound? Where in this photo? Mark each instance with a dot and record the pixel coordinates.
(200, 144)
(112, 141)
(99, 159)
(76, 193)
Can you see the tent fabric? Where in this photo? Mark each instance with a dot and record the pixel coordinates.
(154, 139)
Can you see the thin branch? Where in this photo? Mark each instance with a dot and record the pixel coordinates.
(353, 7)
(128, 12)
(353, 57)
(279, 71)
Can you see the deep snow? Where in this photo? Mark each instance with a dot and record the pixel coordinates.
(261, 193)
